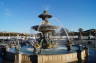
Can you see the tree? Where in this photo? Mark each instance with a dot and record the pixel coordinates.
(80, 30)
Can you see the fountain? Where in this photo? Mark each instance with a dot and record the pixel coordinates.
(45, 28)
(45, 49)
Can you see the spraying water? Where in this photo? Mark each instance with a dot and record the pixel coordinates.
(59, 21)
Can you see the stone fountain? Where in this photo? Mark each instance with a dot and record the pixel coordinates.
(45, 28)
(48, 52)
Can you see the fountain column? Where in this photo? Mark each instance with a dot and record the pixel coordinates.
(45, 28)
(44, 17)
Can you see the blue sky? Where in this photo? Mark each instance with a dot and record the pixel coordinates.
(20, 15)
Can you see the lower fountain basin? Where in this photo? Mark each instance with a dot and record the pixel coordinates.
(53, 55)
(58, 50)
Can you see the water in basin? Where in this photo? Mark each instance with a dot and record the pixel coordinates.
(58, 50)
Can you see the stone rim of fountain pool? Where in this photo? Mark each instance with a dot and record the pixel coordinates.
(52, 51)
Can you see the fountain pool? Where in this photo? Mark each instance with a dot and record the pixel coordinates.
(58, 50)
(45, 49)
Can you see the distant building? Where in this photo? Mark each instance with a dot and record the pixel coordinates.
(13, 34)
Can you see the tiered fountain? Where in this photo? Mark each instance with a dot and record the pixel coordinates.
(49, 53)
(45, 28)
(45, 50)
